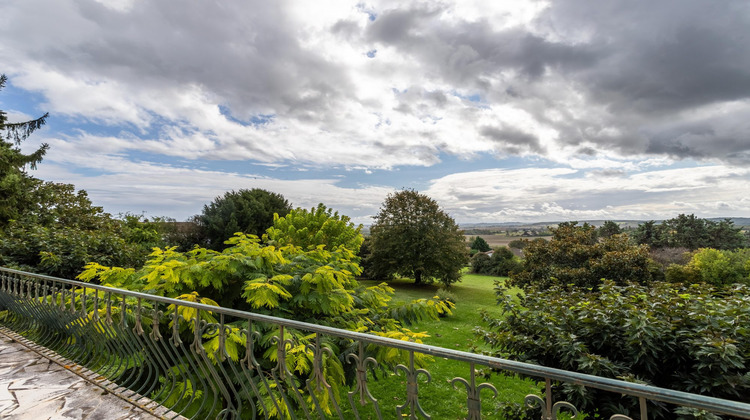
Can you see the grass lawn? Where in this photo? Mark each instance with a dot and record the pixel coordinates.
(439, 399)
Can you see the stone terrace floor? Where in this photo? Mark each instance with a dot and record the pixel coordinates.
(36, 388)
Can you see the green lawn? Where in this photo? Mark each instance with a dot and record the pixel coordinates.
(473, 294)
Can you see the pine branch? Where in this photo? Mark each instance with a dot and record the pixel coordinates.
(18, 132)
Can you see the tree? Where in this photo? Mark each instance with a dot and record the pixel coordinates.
(318, 226)
(719, 268)
(61, 231)
(688, 231)
(480, 244)
(723, 235)
(575, 257)
(413, 237)
(14, 181)
(248, 211)
(608, 229)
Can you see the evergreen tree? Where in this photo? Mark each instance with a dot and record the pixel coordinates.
(15, 183)
(691, 232)
(608, 229)
(480, 244)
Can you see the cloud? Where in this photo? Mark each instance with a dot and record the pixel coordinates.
(603, 97)
(124, 185)
(634, 80)
(534, 194)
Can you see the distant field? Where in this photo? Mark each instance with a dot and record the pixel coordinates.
(501, 239)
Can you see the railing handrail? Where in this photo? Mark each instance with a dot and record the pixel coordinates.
(718, 405)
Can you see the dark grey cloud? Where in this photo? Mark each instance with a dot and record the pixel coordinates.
(464, 52)
(244, 54)
(511, 137)
(636, 66)
(609, 173)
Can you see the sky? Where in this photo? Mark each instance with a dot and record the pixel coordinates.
(506, 111)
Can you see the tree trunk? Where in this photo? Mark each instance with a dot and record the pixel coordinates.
(418, 277)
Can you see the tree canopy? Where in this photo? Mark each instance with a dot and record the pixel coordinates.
(608, 229)
(575, 257)
(312, 228)
(61, 231)
(413, 237)
(480, 245)
(691, 232)
(248, 211)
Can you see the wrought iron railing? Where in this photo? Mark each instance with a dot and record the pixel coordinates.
(184, 355)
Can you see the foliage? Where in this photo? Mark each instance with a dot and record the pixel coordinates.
(364, 258)
(14, 181)
(689, 338)
(574, 256)
(249, 211)
(481, 263)
(608, 229)
(314, 285)
(501, 263)
(519, 243)
(313, 228)
(716, 267)
(480, 244)
(61, 231)
(413, 237)
(689, 231)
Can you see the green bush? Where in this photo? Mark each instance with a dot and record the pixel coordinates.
(575, 256)
(713, 266)
(504, 263)
(480, 263)
(688, 338)
(501, 263)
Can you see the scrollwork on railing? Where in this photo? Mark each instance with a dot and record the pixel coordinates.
(138, 329)
(156, 314)
(361, 385)
(549, 410)
(412, 389)
(316, 383)
(473, 400)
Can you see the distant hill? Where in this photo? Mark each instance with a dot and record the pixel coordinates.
(501, 226)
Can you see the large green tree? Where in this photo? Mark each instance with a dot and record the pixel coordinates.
(248, 211)
(691, 232)
(15, 183)
(575, 257)
(413, 237)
